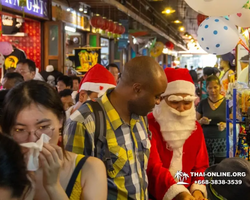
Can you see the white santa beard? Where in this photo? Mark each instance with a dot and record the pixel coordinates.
(175, 128)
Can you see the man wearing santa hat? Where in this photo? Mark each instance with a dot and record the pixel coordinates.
(94, 84)
(177, 146)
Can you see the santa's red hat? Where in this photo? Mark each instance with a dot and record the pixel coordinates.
(179, 82)
(97, 79)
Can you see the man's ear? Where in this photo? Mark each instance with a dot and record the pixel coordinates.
(33, 74)
(83, 96)
(137, 87)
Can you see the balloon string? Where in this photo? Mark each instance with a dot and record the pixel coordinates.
(241, 42)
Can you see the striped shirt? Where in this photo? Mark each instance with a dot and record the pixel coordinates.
(128, 145)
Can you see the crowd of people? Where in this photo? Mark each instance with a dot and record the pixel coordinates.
(135, 134)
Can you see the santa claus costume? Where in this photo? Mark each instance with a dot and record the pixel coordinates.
(178, 144)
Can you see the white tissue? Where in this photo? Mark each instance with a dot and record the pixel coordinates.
(35, 148)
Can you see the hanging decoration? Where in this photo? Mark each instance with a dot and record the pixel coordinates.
(97, 22)
(169, 45)
(5, 48)
(157, 49)
(105, 25)
(241, 18)
(200, 18)
(22, 4)
(217, 35)
(216, 7)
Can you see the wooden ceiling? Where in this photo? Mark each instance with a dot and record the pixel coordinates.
(149, 11)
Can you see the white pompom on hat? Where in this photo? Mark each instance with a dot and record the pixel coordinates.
(97, 79)
(179, 82)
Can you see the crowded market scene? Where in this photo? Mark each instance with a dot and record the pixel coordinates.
(124, 100)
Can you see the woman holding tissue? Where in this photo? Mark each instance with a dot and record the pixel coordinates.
(34, 116)
(211, 114)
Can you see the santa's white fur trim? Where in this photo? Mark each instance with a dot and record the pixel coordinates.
(100, 88)
(180, 87)
(176, 162)
(174, 190)
(202, 188)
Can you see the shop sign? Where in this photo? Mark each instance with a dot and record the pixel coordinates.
(37, 8)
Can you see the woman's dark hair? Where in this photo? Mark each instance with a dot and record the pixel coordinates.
(26, 93)
(12, 167)
(212, 78)
(208, 71)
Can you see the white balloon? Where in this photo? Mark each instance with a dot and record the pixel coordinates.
(2, 59)
(217, 35)
(216, 7)
(241, 18)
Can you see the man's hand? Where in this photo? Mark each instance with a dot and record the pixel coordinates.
(197, 194)
(184, 196)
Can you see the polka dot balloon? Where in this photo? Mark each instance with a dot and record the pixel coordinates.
(217, 35)
(216, 7)
(5, 48)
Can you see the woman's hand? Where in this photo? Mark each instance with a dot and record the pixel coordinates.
(222, 126)
(51, 159)
(197, 194)
(204, 120)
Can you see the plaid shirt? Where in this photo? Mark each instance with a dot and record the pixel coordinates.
(128, 145)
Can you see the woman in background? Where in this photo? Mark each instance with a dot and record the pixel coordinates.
(13, 176)
(211, 114)
(34, 108)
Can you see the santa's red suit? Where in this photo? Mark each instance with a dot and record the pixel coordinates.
(177, 144)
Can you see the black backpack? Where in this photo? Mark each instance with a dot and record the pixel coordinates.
(101, 145)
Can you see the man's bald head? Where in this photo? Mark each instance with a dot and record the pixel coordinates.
(141, 84)
(143, 69)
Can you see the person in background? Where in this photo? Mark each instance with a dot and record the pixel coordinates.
(14, 183)
(194, 76)
(114, 70)
(31, 109)
(243, 76)
(66, 98)
(211, 114)
(76, 82)
(27, 68)
(238, 187)
(177, 143)
(50, 75)
(64, 82)
(226, 64)
(11, 79)
(94, 84)
(139, 89)
(207, 71)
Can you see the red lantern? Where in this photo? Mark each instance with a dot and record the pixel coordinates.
(200, 19)
(111, 27)
(169, 45)
(123, 30)
(116, 28)
(97, 21)
(105, 24)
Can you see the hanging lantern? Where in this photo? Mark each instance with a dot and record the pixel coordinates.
(105, 26)
(200, 19)
(123, 30)
(116, 25)
(111, 26)
(97, 21)
(169, 45)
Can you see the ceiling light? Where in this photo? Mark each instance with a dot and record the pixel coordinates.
(182, 28)
(192, 40)
(81, 8)
(68, 9)
(85, 11)
(168, 11)
(177, 21)
(190, 37)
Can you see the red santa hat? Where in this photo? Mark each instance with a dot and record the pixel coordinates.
(179, 81)
(97, 79)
